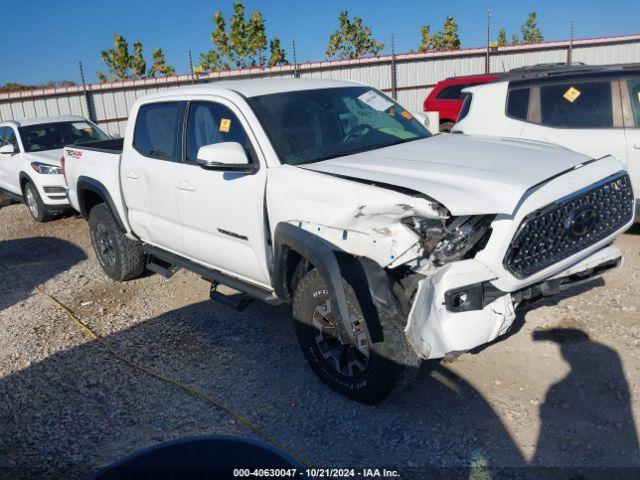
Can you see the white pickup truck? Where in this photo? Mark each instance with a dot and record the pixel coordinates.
(30, 161)
(393, 245)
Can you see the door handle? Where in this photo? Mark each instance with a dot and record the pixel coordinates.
(186, 187)
(636, 146)
(132, 175)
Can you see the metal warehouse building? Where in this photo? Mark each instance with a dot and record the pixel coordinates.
(409, 77)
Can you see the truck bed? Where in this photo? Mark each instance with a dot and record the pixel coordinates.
(96, 166)
(113, 145)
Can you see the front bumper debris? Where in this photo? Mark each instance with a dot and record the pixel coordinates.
(458, 308)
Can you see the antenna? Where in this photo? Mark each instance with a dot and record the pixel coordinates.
(394, 74)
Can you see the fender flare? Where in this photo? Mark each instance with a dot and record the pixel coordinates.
(25, 176)
(93, 185)
(369, 280)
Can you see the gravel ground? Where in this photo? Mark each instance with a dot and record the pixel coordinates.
(569, 398)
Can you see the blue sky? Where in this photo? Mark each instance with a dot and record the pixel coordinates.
(44, 40)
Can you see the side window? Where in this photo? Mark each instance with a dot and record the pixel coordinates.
(158, 130)
(466, 106)
(579, 105)
(10, 138)
(211, 123)
(634, 94)
(3, 135)
(518, 103)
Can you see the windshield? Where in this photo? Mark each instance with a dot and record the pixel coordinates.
(314, 125)
(50, 136)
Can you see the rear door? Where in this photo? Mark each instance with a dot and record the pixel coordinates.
(149, 172)
(631, 104)
(223, 212)
(583, 115)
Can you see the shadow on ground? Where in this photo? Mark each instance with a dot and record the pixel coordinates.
(82, 408)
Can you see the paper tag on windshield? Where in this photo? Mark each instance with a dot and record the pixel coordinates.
(572, 94)
(82, 126)
(375, 101)
(225, 125)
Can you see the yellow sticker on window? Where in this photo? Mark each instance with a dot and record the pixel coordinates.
(572, 94)
(225, 125)
(407, 115)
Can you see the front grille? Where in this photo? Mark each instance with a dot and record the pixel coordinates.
(569, 225)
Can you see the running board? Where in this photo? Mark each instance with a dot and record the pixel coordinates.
(238, 300)
(161, 267)
(168, 262)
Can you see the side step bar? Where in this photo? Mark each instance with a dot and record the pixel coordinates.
(166, 263)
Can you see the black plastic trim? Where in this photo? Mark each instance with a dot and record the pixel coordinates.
(93, 185)
(212, 275)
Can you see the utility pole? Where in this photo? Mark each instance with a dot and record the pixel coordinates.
(87, 99)
(487, 62)
(570, 51)
(193, 78)
(296, 73)
(394, 73)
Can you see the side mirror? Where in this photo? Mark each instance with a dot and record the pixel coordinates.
(7, 149)
(227, 156)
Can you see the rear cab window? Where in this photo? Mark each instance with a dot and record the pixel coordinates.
(158, 130)
(454, 92)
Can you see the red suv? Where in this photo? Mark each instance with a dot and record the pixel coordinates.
(447, 97)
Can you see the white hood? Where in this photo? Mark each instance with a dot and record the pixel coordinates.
(50, 157)
(469, 175)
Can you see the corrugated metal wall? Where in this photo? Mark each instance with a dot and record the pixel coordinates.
(416, 74)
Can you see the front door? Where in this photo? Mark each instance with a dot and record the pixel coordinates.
(151, 166)
(9, 162)
(222, 213)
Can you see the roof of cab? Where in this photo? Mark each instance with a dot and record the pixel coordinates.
(257, 87)
(38, 121)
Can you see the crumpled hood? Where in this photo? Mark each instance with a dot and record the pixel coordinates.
(50, 157)
(469, 175)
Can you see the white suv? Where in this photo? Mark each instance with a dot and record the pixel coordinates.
(592, 110)
(30, 161)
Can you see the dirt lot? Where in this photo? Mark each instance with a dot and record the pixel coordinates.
(68, 406)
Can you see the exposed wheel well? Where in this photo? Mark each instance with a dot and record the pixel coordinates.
(296, 266)
(89, 199)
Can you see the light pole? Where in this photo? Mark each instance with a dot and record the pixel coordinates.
(487, 65)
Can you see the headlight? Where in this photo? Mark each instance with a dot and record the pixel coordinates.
(452, 239)
(46, 169)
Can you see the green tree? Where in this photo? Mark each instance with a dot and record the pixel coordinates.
(445, 39)
(530, 31)
(138, 65)
(515, 40)
(117, 59)
(159, 66)
(242, 44)
(278, 55)
(123, 65)
(502, 38)
(450, 39)
(352, 39)
(428, 40)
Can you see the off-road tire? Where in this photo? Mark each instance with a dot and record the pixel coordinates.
(34, 203)
(124, 259)
(391, 363)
